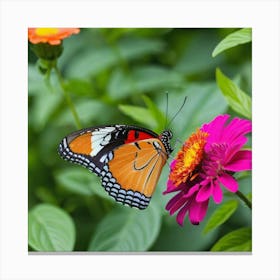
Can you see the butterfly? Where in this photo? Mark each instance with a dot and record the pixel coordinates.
(128, 159)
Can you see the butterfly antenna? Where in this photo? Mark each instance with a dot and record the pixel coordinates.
(166, 110)
(183, 104)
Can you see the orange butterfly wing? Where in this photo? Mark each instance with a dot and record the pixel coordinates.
(128, 159)
(131, 175)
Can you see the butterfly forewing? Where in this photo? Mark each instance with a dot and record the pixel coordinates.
(89, 147)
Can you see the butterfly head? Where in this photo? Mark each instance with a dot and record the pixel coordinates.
(165, 138)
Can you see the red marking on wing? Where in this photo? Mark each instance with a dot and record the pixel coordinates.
(135, 135)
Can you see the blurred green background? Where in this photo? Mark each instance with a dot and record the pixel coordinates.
(106, 71)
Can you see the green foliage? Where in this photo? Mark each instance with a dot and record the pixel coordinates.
(150, 117)
(50, 229)
(236, 38)
(142, 79)
(78, 180)
(127, 230)
(121, 75)
(221, 215)
(239, 240)
(139, 114)
(237, 99)
(108, 55)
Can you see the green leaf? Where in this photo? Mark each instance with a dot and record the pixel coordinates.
(239, 37)
(81, 181)
(50, 229)
(133, 47)
(139, 114)
(221, 215)
(237, 99)
(239, 240)
(195, 57)
(249, 196)
(46, 195)
(45, 104)
(157, 114)
(79, 87)
(36, 83)
(142, 79)
(88, 110)
(97, 59)
(127, 230)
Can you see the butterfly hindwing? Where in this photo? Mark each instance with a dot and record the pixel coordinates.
(128, 159)
(131, 175)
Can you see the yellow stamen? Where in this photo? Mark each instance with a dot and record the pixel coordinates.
(46, 31)
(188, 158)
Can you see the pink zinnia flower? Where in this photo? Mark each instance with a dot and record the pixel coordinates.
(205, 163)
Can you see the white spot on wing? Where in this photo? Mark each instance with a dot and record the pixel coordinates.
(99, 139)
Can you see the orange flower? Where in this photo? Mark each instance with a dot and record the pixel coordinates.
(52, 36)
(188, 158)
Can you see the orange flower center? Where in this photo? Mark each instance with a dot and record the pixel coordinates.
(188, 158)
(46, 31)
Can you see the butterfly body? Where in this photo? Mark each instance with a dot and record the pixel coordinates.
(128, 159)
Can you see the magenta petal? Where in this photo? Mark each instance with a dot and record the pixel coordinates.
(241, 161)
(172, 188)
(172, 164)
(177, 204)
(236, 129)
(173, 201)
(229, 182)
(182, 214)
(217, 192)
(197, 211)
(191, 191)
(204, 193)
(215, 129)
(216, 124)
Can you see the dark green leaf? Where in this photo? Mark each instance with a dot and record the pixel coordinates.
(249, 196)
(158, 115)
(36, 84)
(139, 114)
(239, 240)
(127, 230)
(79, 87)
(45, 104)
(196, 57)
(237, 99)
(80, 181)
(142, 79)
(241, 36)
(50, 229)
(97, 59)
(46, 195)
(88, 110)
(221, 215)
(133, 47)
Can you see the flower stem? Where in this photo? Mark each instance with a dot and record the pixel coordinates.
(67, 97)
(244, 198)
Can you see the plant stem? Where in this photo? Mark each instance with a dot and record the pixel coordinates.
(244, 198)
(67, 97)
